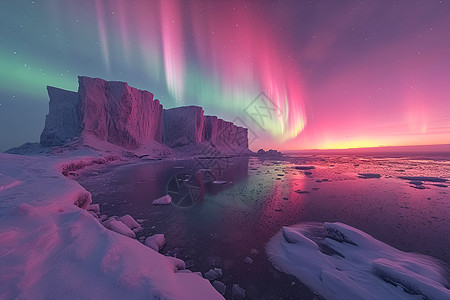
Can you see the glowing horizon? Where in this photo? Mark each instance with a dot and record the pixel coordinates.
(337, 75)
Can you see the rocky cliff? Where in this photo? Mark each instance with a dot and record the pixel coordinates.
(188, 125)
(114, 112)
(63, 121)
(183, 125)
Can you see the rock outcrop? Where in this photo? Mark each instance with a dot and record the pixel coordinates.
(63, 120)
(114, 112)
(183, 125)
(188, 125)
(225, 135)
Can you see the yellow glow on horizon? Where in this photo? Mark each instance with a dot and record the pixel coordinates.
(361, 143)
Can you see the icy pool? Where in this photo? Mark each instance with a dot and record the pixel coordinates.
(243, 202)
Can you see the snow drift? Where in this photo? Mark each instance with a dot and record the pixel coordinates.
(350, 264)
(52, 248)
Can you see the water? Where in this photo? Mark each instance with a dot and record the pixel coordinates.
(228, 220)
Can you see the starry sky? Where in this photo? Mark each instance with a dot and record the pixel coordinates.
(298, 74)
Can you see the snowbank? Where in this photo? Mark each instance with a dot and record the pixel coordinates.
(360, 268)
(53, 249)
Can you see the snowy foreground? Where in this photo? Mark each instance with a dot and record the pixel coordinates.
(361, 267)
(51, 247)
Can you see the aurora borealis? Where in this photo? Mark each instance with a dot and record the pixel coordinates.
(343, 73)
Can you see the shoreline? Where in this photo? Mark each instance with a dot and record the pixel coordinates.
(40, 207)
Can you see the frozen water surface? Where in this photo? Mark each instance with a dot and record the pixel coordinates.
(220, 225)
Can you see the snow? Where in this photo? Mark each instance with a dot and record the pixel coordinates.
(7, 182)
(361, 268)
(129, 221)
(119, 227)
(156, 241)
(52, 249)
(220, 182)
(164, 200)
(95, 208)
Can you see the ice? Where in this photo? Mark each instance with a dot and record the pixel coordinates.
(129, 221)
(237, 292)
(119, 227)
(108, 115)
(115, 112)
(293, 236)
(254, 251)
(220, 182)
(95, 208)
(360, 267)
(188, 125)
(369, 175)
(164, 200)
(219, 286)
(53, 249)
(156, 241)
(248, 260)
(213, 274)
(423, 178)
(63, 120)
(304, 167)
(7, 182)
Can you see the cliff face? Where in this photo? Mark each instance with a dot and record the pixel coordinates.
(187, 125)
(113, 111)
(183, 125)
(63, 120)
(225, 135)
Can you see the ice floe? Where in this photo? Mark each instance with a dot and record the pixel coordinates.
(350, 264)
(369, 175)
(164, 200)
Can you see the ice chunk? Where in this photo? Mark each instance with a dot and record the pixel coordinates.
(219, 286)
(304, 167)
(248, 260)
(356, 265)
(176, 262)
(293, 236)
(254, 251)
(156, 241)
(129, 221)
(411, 282)
(220, 181)
(213, 274)
(119, 227)
(369, 175)
(138, 229)
(164, 200)
(237, 292)
(423, 178)
(95, 208)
